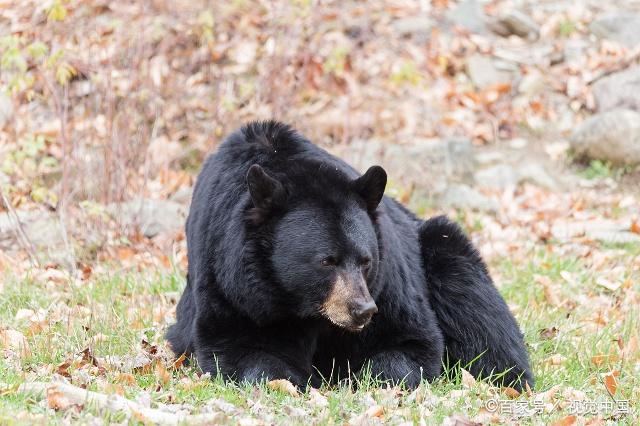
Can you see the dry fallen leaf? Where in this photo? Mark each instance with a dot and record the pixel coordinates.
(549, 293)
(98, 338)
(374, 411)
(284, 386)
(460, 420)
(126, 378)
(467, 379)
(611, 286)
(631, 350)
(565, 421)
(63, 368)
(548, 333)
(528, 389)
(510, 392)
(317, 399)
(556, 359)
(162, 374)
(180, 361)
(601, 359)
(24, 314)
(547, 396)
(58, 400)
(611, 383)
(14, 340)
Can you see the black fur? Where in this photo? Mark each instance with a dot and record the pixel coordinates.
(277, 225)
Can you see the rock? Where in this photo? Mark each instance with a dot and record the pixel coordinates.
(531, 84)
(483, 72)
(153, 217)
(43, 229)
(419, 26)
(183, 195)
(615, 237)
(430, 163)
(515, 23)
(499, 176)
(459, 158)
(488, 158)
(619, 90)
(623, 28)
(574, 51)
(613, 136)
(468, 14)
(6, 109)
(537, 174)
(464, 197)
(518, 143)
(604, 230)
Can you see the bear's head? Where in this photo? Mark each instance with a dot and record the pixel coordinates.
(324, 249)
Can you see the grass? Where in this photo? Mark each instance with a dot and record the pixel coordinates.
(600, 169)
(114, 313)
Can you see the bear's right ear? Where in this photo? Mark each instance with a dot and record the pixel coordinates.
(266, 192)
(370, 186)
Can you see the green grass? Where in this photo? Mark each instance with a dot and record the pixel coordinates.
(127, 308)
(600, 169)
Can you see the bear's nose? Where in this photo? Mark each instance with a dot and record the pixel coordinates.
(363, 311)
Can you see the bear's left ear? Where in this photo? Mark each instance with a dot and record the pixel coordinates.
(265, 191)
(370, 186)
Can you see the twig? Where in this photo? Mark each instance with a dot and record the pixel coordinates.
(635, 55)
(73, 395)
(21, 235)
(62, 109)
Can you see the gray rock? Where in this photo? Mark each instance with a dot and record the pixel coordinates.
(413, 26)
(619, 90)
(623, 28)
(460, 159)
(490, 157)
(483, 72)
(531, 84)
(43, 230)
(515, 23)
(6, 109)
(153, 217)
(574, 50)
(604, 230)
(499, 176)
(518, 143)
(537, 174)
(614, 237)
(464, 197)
(183, 195)
(468, 14)
(431, 163)
(613, 136)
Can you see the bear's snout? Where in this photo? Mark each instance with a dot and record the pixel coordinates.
(362, 311)
(349, 304)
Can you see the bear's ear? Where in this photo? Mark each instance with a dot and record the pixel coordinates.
(370, 186)
(266, 192)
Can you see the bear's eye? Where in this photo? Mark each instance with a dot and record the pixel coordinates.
(365, 262)
(329, 261)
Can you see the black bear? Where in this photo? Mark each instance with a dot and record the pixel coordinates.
(300, 268)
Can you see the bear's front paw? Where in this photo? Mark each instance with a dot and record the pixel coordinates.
(265, 367)
(397, 368)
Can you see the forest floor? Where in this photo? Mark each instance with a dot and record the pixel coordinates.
(107, 109)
